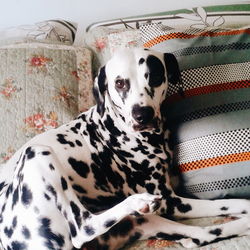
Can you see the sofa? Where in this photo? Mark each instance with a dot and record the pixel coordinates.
(46, 80)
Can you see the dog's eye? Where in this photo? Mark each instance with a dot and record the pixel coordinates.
(120, 84)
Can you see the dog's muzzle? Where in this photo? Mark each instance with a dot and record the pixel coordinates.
(144, 116)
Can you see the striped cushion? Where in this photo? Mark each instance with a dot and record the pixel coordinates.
(211, 124)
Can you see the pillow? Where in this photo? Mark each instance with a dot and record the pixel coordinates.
(41, 87)
(50, 31)
(105, 37)
(210, 125)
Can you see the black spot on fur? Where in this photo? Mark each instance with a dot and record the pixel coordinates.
(99, 89)
(47, 197)
(184, 208)
(50, 237)
(29, 153)
(171, 237)
(26, 233)
(216, 231)
(218, 239)
(224, 208)
(51, 167)
(52, 191)
(150, 92)
(45, 153)
(109, 124)
(141, 61)
(80, 167)
(76, 128)
(86, 215)
(141, 174)
(17, 245)
(26, 195)
(133, 238)
(79, 189)
(141, 220)
(89, 230)
(103, 172)
(8, 232)
(156, 176)
(78, 125)
(78, 143)
(150, 187)
(15, 198)
(93, 134)
(72, 229)
(196, 241)
(2, 184)
(156, 71)
(173, 202)
(64, 184)
(109, 223)
(122, 228)
(101, 203)
(62, 139)
(76, 211)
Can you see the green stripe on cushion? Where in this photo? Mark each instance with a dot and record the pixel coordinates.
(211, 125)
(225, 8)
(212, 49)
(196, 104)
(194, 61)
(220, 109)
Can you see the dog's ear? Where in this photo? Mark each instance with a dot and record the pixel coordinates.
(100, 86)
(172, 66)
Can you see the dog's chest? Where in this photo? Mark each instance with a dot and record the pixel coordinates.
(123, 165)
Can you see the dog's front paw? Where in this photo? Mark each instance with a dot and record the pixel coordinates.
(144, 203)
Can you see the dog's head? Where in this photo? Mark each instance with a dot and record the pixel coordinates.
(135, 81)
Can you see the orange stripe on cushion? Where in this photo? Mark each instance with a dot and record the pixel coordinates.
(221, 160)
(183, 35)
(210, 89)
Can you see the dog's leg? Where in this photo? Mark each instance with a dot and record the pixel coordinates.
(176, 206)
(49, 201)
(155, 227)
(195, 208)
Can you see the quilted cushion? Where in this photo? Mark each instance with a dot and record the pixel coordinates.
(41, 87)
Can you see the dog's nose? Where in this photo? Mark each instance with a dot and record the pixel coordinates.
(143, 114)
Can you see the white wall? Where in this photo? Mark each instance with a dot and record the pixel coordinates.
(85, 12)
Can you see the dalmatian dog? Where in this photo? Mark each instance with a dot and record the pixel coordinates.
(101, 180)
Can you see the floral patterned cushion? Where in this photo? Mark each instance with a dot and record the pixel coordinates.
(41, 87)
